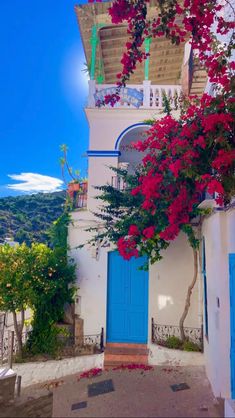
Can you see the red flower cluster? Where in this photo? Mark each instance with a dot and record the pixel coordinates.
(90, 373)
(149, 232)
(133, 230)
(224, 160)
(122, 10)
(185, 158)
(131, 366)
(199, 19)
(127, 248)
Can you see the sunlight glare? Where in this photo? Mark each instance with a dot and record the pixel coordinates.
(75, 81)
(164, 301)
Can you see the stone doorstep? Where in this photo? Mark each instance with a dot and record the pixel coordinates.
(117, 354)
(127, 358)
(126, 351)
(127, 345)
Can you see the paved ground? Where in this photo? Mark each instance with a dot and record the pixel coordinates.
(31, 408)
(137, 394)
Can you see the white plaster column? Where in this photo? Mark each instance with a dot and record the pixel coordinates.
(92, 90)
(146, 90)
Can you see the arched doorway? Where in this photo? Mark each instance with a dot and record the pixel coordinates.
(129, 156)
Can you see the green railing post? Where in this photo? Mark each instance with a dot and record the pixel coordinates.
(147, 43)
(94, 41)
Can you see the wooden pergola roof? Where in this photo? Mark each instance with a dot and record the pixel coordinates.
(165, 59)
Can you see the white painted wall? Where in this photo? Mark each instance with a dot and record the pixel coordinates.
(160, 356)
(43, 371)
(168, 281)
(170, 278)
(219, 232)
(229, 408)
(91, 273)
(105, 127)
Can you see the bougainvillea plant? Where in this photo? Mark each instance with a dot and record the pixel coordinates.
(184, 157)
(201, 21)
(194, 154)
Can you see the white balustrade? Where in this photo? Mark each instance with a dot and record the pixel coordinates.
(144, 95)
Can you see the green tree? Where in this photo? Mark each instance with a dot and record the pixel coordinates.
(52, 285)
(14, 285)
(58, 232)
(41, 278)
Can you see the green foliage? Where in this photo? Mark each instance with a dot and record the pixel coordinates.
(42, 278)
(66, 169)
(188, 230)
(43, 339)
(52, 286)
(190, 346)
(177, 344)
(27, 218)
(58, 232)
(166, 104)
(121, 210)
(173, 342)
(14, 286)
(149, 121)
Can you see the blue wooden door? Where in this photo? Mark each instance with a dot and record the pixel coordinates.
(232, 321)
(127, 307)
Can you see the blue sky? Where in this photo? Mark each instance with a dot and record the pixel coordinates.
(43, 91)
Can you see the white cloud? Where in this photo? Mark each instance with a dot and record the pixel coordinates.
(35, 183)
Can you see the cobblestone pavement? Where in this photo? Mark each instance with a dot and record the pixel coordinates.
(135, 393)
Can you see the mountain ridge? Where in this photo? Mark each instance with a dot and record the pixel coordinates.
(27, 218)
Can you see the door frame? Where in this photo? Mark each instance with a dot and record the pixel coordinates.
(107, 304)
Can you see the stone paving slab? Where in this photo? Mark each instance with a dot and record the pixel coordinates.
(138, 393)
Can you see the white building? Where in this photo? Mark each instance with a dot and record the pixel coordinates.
(219, 297)
(219, 288)
(114, 294)
(103, 277)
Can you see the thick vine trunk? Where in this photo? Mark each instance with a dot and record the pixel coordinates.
(18, 331)
(188, 297)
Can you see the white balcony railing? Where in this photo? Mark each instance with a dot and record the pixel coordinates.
(118, 183)
(146, 95)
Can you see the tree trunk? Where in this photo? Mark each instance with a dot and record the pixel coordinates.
(18, 331)
(188, 297)
(22, 321)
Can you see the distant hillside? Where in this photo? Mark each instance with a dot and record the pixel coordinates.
(27, 218)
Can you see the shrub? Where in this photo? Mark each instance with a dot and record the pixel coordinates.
(190, 346)
(43, 340)
(173, 342)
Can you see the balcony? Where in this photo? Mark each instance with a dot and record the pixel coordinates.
(78, 194)
(118, 183)
(135, 96)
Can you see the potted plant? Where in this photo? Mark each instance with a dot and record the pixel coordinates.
(73, 186)
(76, 186)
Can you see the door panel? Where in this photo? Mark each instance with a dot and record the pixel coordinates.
(127, 302)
